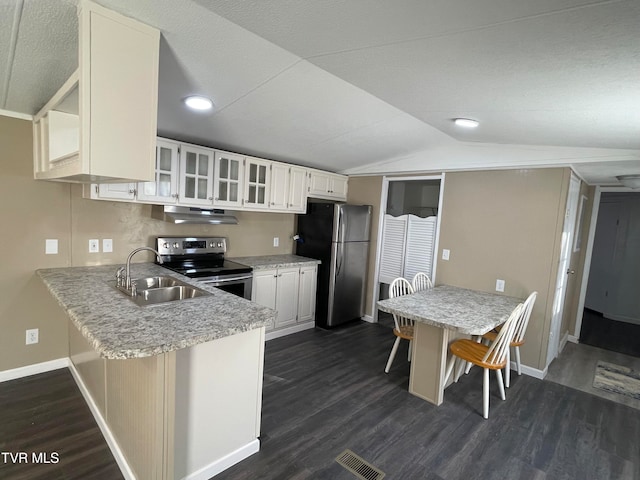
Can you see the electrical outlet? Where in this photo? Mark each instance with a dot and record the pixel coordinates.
(499, 285)
(107, 245)
(445, 254)
(94, 245)
(32, 336)
(276, 241)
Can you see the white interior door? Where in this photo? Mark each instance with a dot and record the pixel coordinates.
(568, 232)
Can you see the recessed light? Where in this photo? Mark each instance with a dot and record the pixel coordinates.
(198, 102)
(466, 122)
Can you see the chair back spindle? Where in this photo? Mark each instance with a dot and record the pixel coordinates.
(497, 352)
(421, 281)
(523, 322)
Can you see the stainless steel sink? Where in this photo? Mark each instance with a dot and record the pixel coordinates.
(155, 282)
(168, 294)
(161, 289)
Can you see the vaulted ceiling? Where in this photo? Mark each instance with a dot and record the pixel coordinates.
(366, 86)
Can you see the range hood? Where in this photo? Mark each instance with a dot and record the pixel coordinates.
(191, 215)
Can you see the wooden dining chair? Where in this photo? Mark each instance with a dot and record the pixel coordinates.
(489, 357)
(403, 327)
(518, 336)
(421, 281)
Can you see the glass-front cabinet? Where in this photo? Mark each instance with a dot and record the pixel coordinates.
(257, 183)
(229, 169)
(196, 176)
(165, 188)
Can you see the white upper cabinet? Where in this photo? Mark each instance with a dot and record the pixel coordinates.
(89, 131)
(288, 187)
(257, 183)
(165, 188)
(279, 186)
(327, 185)
(196, 176)
(298, 190)
(229, 170)
(114, 191)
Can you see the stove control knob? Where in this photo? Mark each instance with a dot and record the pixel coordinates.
(165, 245)
(219, 244)
(211, 245)
(176, 245)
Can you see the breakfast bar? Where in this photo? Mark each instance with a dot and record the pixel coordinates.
(441, 315)
(175, 387)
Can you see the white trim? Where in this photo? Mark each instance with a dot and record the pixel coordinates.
(563, 342)
(369, 318)
(21, 116)
(225, 462)
(34, 369)
(587, 260)
(573, 339)
(530, 371)
(289, 330)
(126, 470)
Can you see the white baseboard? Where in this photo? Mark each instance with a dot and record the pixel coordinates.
(289, 330)
(126, 470)
(573, 339)
(530, 371)
(368, 318)
(34, 369)
(225, 462)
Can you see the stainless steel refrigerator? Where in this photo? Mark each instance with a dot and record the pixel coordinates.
(338, 235)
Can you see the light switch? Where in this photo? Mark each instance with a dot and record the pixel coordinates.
(276, 241)
(445, 254)
(499, 285)
(107, 245)
(51, 246)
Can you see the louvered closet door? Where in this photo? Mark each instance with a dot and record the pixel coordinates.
(393, 248)
(420, 244)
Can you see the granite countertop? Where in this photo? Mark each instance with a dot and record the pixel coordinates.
(275, 261)
(117, 328)
(459, 309)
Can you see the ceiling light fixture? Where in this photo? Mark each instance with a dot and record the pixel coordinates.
(466, 122)
(198, 102)
(631, 181)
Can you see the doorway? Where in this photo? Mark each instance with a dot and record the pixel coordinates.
(611, 316)
(408, 236)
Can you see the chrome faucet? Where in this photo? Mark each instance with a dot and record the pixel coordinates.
(127, 269)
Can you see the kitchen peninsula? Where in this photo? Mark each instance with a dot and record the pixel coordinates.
(176, 387)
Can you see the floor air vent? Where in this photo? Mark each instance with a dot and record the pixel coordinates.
(358, 466)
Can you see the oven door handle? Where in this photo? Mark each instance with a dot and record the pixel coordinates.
(234, 278)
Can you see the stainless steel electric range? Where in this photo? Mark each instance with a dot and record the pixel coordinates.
(202, 259)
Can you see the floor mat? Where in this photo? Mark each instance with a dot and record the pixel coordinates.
(617, 379)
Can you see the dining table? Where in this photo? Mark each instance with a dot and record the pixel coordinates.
(441, 315)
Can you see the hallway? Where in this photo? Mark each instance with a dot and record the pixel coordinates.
(575, 367)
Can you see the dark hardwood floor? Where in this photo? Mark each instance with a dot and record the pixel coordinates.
(599, 331)
(46, 414)
(326, 391)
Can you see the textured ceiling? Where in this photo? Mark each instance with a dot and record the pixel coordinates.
(365, 86)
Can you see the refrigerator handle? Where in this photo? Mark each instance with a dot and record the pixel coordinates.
(340, 231)
(340, 259)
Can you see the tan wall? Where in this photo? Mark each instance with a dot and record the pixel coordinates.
(32, 211)
(367, 191)
(506, 224)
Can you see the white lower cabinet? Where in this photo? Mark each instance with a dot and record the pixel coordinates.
(307, 293)
(291, 291)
